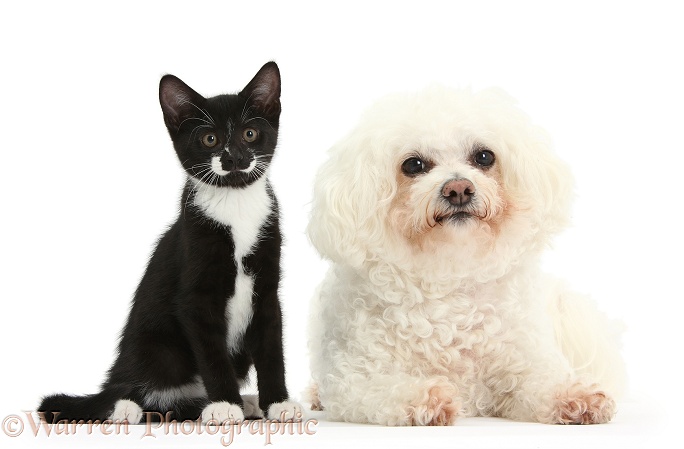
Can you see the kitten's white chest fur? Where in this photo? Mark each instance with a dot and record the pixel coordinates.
(245, 211)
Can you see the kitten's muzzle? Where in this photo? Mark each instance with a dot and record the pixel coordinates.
(235, 160)
(458, 192)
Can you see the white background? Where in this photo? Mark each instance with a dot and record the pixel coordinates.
(90, 180)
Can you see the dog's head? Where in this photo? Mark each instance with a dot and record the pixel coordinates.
(440, 177)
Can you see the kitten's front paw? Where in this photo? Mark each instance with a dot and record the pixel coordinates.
(250, 405)
(126, 410)
(221, 412)
(285, 411)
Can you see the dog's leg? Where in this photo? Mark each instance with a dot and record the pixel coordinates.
(553, 395)
(311, 396)
(564, 370)
(392, 400)
(589, 341)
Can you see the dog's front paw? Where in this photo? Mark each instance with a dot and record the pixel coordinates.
(439, 407)
(221, 412)
(580, 404)
(311, 393)
(126, 410)
(285, 411)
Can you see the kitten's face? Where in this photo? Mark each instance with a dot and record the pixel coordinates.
(227, 140)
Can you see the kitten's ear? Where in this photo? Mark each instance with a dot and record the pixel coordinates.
(264, 89)
(178, 101)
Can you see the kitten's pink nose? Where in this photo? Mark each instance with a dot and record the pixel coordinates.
(458, 192)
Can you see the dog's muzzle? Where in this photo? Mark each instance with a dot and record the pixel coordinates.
(458, 192)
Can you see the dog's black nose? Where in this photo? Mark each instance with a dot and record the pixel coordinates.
(458, 192)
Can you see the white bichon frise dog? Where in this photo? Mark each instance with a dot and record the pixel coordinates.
(434, 212)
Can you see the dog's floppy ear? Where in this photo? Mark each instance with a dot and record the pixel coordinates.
(551, 181)
(351, 199)
(537, 180)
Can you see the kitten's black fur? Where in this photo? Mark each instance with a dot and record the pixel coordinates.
(177, 328)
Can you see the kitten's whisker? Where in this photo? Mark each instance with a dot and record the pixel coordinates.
(259, 169)
(260, 166)
(194, 130)
(199, 109)
(205, 175)
(261, 118)
(199, 182)
(195, 118)
(201, 167)
(246, 111)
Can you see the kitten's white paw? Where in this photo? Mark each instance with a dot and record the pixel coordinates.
(285, 411)
(222, 412)
(125, 410)
(251, 406)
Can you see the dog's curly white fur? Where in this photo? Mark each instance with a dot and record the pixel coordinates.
(434, 212)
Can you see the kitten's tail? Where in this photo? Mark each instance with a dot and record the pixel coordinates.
(90, 407)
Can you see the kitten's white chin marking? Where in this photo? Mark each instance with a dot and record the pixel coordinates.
(126, 410)
(251, 166)
(221, 412)
(244, 210)
(216, 166)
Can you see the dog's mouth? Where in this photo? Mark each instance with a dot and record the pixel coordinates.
(445, 214)
(456, 217)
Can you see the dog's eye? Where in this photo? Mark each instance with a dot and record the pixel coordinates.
(484, 158)
(413, 166)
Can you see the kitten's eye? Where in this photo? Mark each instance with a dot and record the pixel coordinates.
(413, 166)
(209, 140)
(484, 158)
(250, 135)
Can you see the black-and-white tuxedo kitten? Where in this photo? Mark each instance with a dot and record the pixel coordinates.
(207, 307)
